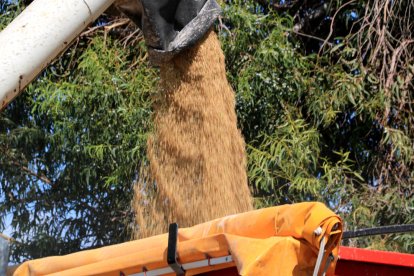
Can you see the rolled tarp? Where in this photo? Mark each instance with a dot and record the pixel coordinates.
(282, 240)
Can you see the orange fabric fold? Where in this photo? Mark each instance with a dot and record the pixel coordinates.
(282, 240)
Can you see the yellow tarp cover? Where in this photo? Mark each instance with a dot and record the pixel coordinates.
(273, 241)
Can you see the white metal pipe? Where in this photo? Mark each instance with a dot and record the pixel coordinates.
(39, 34)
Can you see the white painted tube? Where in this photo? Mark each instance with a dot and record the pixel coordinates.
(39, 34)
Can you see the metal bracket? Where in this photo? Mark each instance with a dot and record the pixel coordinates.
(4, 256)
(320, 257)
(172, 250)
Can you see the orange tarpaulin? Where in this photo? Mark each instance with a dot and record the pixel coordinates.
(281, 240)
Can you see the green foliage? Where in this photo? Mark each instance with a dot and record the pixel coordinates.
(8, 11)
(71, 146)
(318, 119)
(283, 165)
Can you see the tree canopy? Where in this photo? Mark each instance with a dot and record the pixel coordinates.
(323, 100)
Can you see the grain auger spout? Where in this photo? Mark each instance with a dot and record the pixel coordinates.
(171, 26)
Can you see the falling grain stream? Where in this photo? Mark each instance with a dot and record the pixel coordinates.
(196, 153)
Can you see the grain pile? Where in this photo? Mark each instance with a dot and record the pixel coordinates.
(196, 153)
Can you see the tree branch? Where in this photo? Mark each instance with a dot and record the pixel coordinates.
(7, 238)
(312, 14)
(277, 6)
(331, 29)
(25, 169)
(315, 13)
(28, 171)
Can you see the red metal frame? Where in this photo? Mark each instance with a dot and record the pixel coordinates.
(357, 261)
